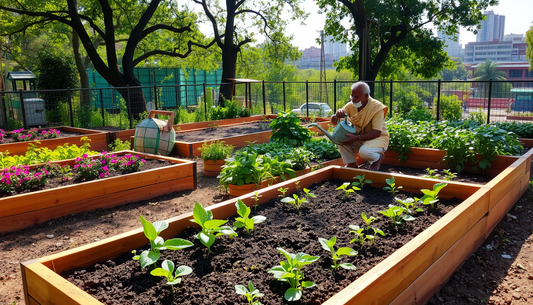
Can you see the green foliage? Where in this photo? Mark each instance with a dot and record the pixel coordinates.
(119, 145)
(328, 245)
(322, 149)
(216, 150)
(291, 271)
(450, 108)
(287, 129)
(361, 183)
(348, 191)
(416, 114)
(458, 144)
(478, 116)
(431, 197)
(431, 173)
(282, 191)
(211, 228)
(250, 293)
(529, 50)
(521, 129)
(490, 141)
(409, 205)
(230, 111)
(397, 215)
(173, 275)
(406, 101)
(392, 188)
(449, 175)
(244, 221)
(157, 243)
(296, 201)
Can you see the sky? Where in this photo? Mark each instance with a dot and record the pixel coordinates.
(518, 19)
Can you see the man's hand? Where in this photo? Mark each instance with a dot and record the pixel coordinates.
(338, 115)
(351, 139)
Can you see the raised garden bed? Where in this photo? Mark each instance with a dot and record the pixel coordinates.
(411, 274)
(98, 140)
(23, 210)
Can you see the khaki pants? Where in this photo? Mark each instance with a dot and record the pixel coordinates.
(364, 149)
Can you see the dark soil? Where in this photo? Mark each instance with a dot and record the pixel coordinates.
(249, 257)
(221, 132)
(62, 134)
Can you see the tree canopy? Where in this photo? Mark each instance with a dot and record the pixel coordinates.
(396, 33)
(529, 51)
(489, 70)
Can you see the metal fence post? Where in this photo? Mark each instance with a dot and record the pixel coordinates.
(264, 99)
(438, 100)
(284, 98)
(23, 110)
(307, 97)
(128, 102)
(155, 96)
(102, 105)
(205, 101)
(69, 94)
(334, 96)
(390, 98)
(490, 98)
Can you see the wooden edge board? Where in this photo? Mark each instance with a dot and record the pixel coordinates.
(82, 130)
(506, 180)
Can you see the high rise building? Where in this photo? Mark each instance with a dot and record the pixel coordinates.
(452, 47)
(334, 48)
(492, 28)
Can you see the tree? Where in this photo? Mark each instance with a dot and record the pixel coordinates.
(147, 22)
(382, 27)
(489, 71)
(529, 51)
(457, 72)
(233, 28)
(54, 72)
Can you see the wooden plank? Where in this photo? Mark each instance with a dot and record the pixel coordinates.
(30, 217)
(389, 278)
(46, 288)
(31, 301)
(427, 284)
(506, 180)
(526, 142)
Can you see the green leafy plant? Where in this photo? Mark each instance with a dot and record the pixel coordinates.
(307, 194)
(359, 232)
(397, 215)
(409, 205)
(372, 237)
(216, 150)
(173, 275)
(296, 201)
(348, 191)
(119, 145)
(291, 271)
(249, 292)
(361, 181)
(282, 191)
(431, 173)
(328, 245)
(286, 129)
(449, 175)
(211, 228)
(157, 243)
(391, 188)
(431, 197)
(256, 197)
(244, 221)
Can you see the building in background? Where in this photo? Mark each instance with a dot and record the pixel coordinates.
(453, 48)
(511, 49)
(334, 48)
(492, 28)
(333, 51)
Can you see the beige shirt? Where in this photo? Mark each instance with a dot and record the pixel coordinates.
(372, 117)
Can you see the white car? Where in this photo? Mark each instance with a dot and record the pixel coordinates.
(317, 109)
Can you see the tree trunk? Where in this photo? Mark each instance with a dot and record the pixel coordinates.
(85, 99)
(229, 71)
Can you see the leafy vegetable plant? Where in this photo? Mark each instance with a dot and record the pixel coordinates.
(396, 214)
(296, 201)
(335, 255)
(283, 191)
(256, 197)
(431, 197)
(449, 175)
(361, 181)
(291, 271)
(211, 228)
(157, 243)
(173, 276)
(391, 188)
(409, 205)
(244, 221)
(348, 191)
(249, 292)
(431, 173)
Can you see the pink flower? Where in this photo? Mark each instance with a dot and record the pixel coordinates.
(105, 168)
(102, 175)
(85, 155)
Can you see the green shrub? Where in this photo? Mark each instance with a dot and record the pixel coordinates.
(450, 108)
(286, 129)
(215, 151)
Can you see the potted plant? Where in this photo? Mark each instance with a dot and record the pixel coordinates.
(213, 155)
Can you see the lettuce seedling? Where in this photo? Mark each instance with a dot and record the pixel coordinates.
(396, 214)
(157, 243)
(282, 191)
(256, 197)
(372, 238)
(359, 232)
(391, 188)
(211, 228)
(449, 175)
(361, 181)
(167, 270)
(431, 173)
(251, 293)
(368, 220)
(335, 255)
(409, 205)
(244, 221)
(431, 197)
(348, 191)
(291, 271)
(296, 201)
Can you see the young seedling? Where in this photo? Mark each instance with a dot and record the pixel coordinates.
(368, 220)
(449, 175)
(348, 191)
(291, 271)
(431, 173)
(361, 181)
(431, 197)
(308, 194)
(297, 185)
(396, 214)
(244, 221)
(250, 293)
(211, 228)
(256, 197)
(167, 270)
(282, 191)
(359, 232)
(157, 243)
(296, 201)
(372, 238)
(408, 205)
(392, 188)
(335, 255)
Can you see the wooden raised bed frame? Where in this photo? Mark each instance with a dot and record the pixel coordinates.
(21, 211)
(98, 141)
(412, 274)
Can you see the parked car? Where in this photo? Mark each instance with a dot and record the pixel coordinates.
(318, 109)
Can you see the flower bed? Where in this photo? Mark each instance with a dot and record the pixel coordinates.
(433, 254)
(23, 210)
(98, 140)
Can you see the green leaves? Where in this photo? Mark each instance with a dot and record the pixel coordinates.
(335, 255)
(251, 293)
(167, 270)
(211, 228)
(431, 197)
(244, 221)
(287, 129)
(396, 214)
(392, 188)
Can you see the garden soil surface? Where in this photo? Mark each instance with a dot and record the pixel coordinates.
(485, 278)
